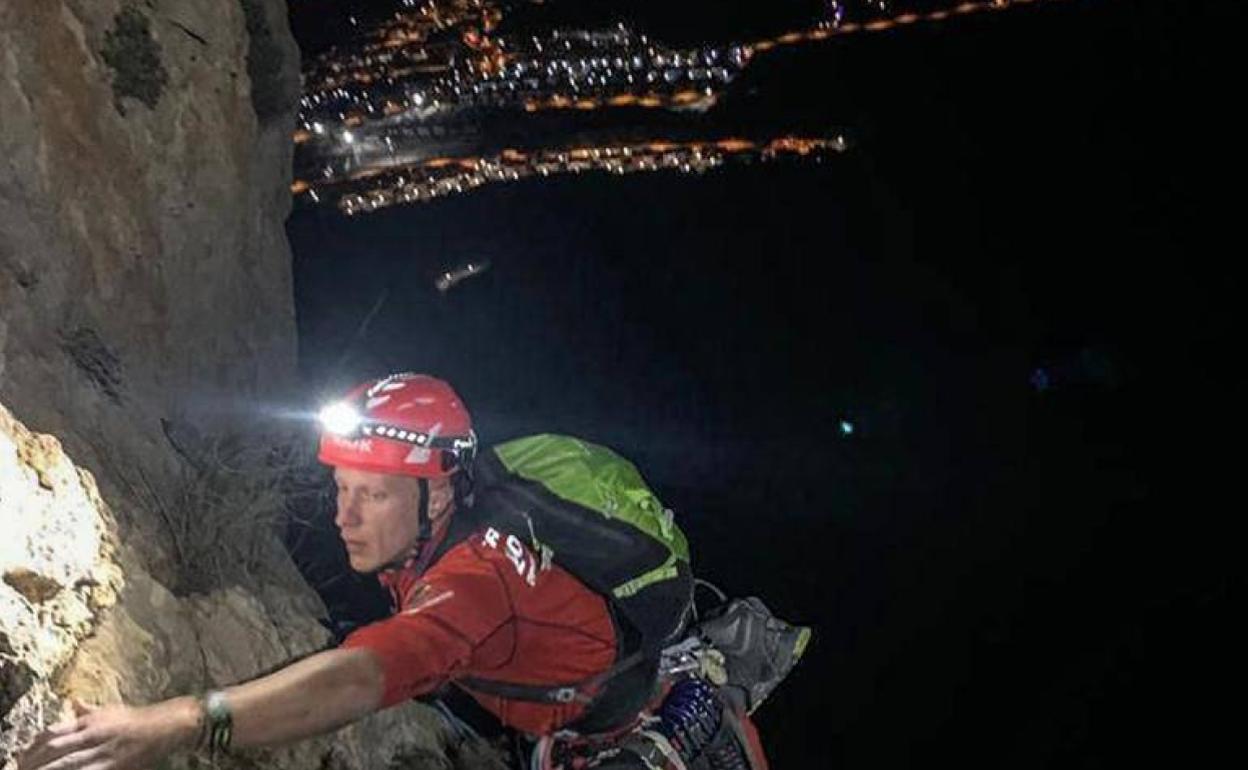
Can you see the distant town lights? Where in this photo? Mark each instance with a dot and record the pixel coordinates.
(404, 64)
(439, 177)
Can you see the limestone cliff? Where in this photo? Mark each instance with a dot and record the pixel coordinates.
(145, 293)
(144, 171)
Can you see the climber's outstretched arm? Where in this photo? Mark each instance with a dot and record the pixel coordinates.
(312, 696)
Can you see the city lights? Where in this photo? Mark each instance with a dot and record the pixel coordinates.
(401, 67)
(434, 178)
(395, 114)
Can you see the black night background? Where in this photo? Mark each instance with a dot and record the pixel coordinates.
(928, 396)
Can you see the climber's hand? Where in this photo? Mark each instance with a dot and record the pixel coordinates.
(115, 738)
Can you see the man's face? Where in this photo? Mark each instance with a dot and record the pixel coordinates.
(378, 516)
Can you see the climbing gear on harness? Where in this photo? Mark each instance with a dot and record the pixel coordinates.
(690, 717)
(722, 670)
(694, 728)
(694, 657)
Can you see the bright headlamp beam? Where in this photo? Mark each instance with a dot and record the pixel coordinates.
(340, 418)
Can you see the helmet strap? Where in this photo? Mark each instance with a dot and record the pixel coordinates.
(462, 488)
(422, 515)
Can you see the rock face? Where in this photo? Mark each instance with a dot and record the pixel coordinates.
(144, 172)
(144, 286)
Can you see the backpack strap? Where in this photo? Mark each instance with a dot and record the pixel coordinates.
(583, 691)
(464, 522)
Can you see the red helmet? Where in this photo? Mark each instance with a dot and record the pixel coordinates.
(407, 424)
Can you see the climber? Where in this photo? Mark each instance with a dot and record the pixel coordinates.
(474, 608)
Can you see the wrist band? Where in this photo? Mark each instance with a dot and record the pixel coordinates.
(218, 722)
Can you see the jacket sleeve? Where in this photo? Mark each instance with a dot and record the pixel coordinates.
(450, 614)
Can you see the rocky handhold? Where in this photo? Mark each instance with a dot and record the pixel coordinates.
(36, 588)
(40, 453)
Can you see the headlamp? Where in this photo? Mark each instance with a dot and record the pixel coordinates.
(340, 418)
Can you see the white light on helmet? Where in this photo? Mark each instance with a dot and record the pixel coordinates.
(340, 418)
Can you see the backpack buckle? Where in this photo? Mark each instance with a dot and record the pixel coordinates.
(563, 694)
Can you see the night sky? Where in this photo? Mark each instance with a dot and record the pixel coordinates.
(1015, 288)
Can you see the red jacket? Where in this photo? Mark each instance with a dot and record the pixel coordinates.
(487, 608)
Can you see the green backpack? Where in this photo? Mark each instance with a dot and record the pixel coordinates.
(587, 509)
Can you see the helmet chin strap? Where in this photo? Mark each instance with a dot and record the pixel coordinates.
(422, 516)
